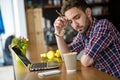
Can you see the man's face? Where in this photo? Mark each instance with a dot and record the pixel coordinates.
(78, 19)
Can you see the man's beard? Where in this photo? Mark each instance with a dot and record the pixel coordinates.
(87, 23)
(86, 26)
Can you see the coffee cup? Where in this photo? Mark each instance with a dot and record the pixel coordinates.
(70, 61)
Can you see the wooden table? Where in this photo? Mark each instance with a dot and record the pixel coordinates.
(82, 73)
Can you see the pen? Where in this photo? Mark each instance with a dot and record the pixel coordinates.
(63, 30)
(59, 13)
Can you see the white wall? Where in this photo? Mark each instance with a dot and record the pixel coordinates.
(13, 13)
(19, 18)
(8, 20)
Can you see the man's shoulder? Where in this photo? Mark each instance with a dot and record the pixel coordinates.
(102, 25)
(103, 22)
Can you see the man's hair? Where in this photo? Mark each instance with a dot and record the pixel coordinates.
(68, 4)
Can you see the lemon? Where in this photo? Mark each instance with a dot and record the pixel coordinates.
(43, 55)
(50, 54)
(59, 60)
(57, 54)
(50, 60)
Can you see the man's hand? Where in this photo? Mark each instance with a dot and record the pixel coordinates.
(86, 60)
(59, 24)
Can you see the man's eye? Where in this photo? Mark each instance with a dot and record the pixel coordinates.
(77, 17)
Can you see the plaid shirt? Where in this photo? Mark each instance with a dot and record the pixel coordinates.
(102, 43)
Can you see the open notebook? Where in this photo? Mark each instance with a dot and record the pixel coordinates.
(34, 66)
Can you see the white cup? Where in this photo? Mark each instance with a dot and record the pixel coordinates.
(70, 61)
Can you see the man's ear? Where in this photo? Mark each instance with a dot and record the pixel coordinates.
(88, 12)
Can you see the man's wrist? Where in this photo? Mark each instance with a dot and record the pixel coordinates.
(58, 35)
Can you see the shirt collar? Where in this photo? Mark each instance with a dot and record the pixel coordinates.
(91, 27)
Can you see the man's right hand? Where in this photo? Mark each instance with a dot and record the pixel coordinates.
(59, 24)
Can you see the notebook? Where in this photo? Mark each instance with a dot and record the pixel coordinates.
(34, 66)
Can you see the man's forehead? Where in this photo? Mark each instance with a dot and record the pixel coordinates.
(72, 16)
(69, 14)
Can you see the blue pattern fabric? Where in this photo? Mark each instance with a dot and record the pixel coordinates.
(1, 24)
(102, 43)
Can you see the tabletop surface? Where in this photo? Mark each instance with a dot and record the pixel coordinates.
(82, 73)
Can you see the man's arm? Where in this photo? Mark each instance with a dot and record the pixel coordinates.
(86, 60)
(59, 24)
(62, 45)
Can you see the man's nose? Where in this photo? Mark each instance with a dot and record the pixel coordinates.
(75, 24)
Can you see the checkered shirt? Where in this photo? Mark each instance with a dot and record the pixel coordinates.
(102, 43)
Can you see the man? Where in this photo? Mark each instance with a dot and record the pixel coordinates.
(99, 38)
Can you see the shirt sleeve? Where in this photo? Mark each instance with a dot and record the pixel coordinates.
(100, 40)
(77, 44)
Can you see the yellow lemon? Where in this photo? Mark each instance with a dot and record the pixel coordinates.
(43, 55)
(50, 60)
(59, 60)
(57, 54)
(57, 51)
(50, 54)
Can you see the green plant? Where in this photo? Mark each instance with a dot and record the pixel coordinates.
(21, 43)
